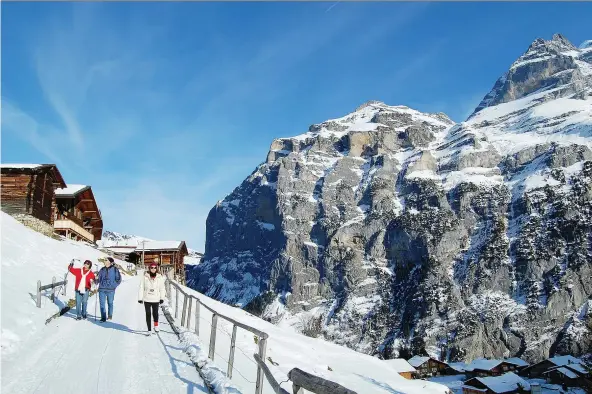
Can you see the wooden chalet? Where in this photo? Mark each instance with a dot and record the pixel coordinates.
(402, 367)
(428, 366)
(508, 383)
(77, 215)
(537, 370)
(165, 254)
(30, 189)
(484, 367)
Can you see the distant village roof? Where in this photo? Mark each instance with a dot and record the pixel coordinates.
(160, 245)
(458, 366)
(123, 250)
(400, 365)
(483, 364)
(416, 361)
(564, 360)
(517, 361)
(505, 383)
(578, 368)
(71, 190)
(564, 371)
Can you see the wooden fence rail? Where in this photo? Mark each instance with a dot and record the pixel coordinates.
(301, 379)
(52, 286)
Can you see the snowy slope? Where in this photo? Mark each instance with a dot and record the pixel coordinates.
(288, 349)
(28, 256)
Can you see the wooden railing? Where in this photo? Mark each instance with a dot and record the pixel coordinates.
(300, 379)
(52, 286)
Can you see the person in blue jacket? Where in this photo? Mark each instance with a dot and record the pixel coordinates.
(109, 278)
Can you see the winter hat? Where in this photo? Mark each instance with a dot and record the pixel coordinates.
(153, 265)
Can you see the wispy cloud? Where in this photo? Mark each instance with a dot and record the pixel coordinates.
(332, 6)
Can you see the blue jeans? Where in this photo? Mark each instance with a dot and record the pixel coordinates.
(81, 302)
(106, 294)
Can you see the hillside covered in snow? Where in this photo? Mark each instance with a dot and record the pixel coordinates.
(403, 233)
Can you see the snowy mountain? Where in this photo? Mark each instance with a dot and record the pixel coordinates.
(402, 232)
(112, 238)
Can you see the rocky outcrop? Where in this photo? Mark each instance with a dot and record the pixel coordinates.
(404, 232)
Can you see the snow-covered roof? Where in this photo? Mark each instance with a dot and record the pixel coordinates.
(71, 190)
(517, 361)
(483, 364)
(504, 383)
(416, 361)
(564, 371)
(577, 367)
(122, 249)
(400, 365)
(29, 166)
(564, 360)
(159, 245)
(459, 366)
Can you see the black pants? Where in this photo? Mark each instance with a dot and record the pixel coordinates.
(148, 306)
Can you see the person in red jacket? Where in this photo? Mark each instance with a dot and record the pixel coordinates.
(84, 278)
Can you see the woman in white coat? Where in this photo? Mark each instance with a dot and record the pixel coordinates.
(152, 292)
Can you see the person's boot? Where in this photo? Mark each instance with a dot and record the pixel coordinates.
(78, 318)
(155, 326)
(103, 320)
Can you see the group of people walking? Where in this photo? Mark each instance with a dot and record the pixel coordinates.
(151, 292)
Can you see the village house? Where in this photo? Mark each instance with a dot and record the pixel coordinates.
(484, 367)
(402, 367)
(508, 383)
(76, 214)
(537, 370)
(167, 254)
(428, 366)
(567, 371)
(30, 189)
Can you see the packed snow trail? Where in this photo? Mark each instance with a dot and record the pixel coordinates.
(111, 357)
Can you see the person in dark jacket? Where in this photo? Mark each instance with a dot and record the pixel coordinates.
(109, 279)
(82, 285)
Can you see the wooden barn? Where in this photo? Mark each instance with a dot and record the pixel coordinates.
(30, 189)
(428, 366)
(166, 254)
(77, 215)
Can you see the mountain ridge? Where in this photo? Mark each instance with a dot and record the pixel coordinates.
(404, 232)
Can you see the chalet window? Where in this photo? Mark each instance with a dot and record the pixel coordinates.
(505, 367)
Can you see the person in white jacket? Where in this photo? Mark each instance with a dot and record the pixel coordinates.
(152, 292)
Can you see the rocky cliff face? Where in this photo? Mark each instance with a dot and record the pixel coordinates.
(403, 232)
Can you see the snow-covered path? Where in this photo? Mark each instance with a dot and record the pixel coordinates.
(112, 357)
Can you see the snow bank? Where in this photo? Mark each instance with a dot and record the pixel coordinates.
(287, 349)
(28, 256)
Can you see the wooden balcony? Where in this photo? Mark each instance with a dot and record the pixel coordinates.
(69, 226)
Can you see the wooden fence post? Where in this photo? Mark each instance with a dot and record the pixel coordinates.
(53, 289)
(184, 311)
(176, 302)
(262, 351)
(189, 313)
(168, 289)
(65, 283)
(38, 294)
(231, 357)
(197, 307)
(213, 336)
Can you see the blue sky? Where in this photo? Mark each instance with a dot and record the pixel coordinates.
(164, 108)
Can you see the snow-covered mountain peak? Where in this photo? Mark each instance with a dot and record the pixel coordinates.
(545, 66)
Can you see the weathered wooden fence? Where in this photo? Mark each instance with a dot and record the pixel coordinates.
(300, 379)
(52, 286)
